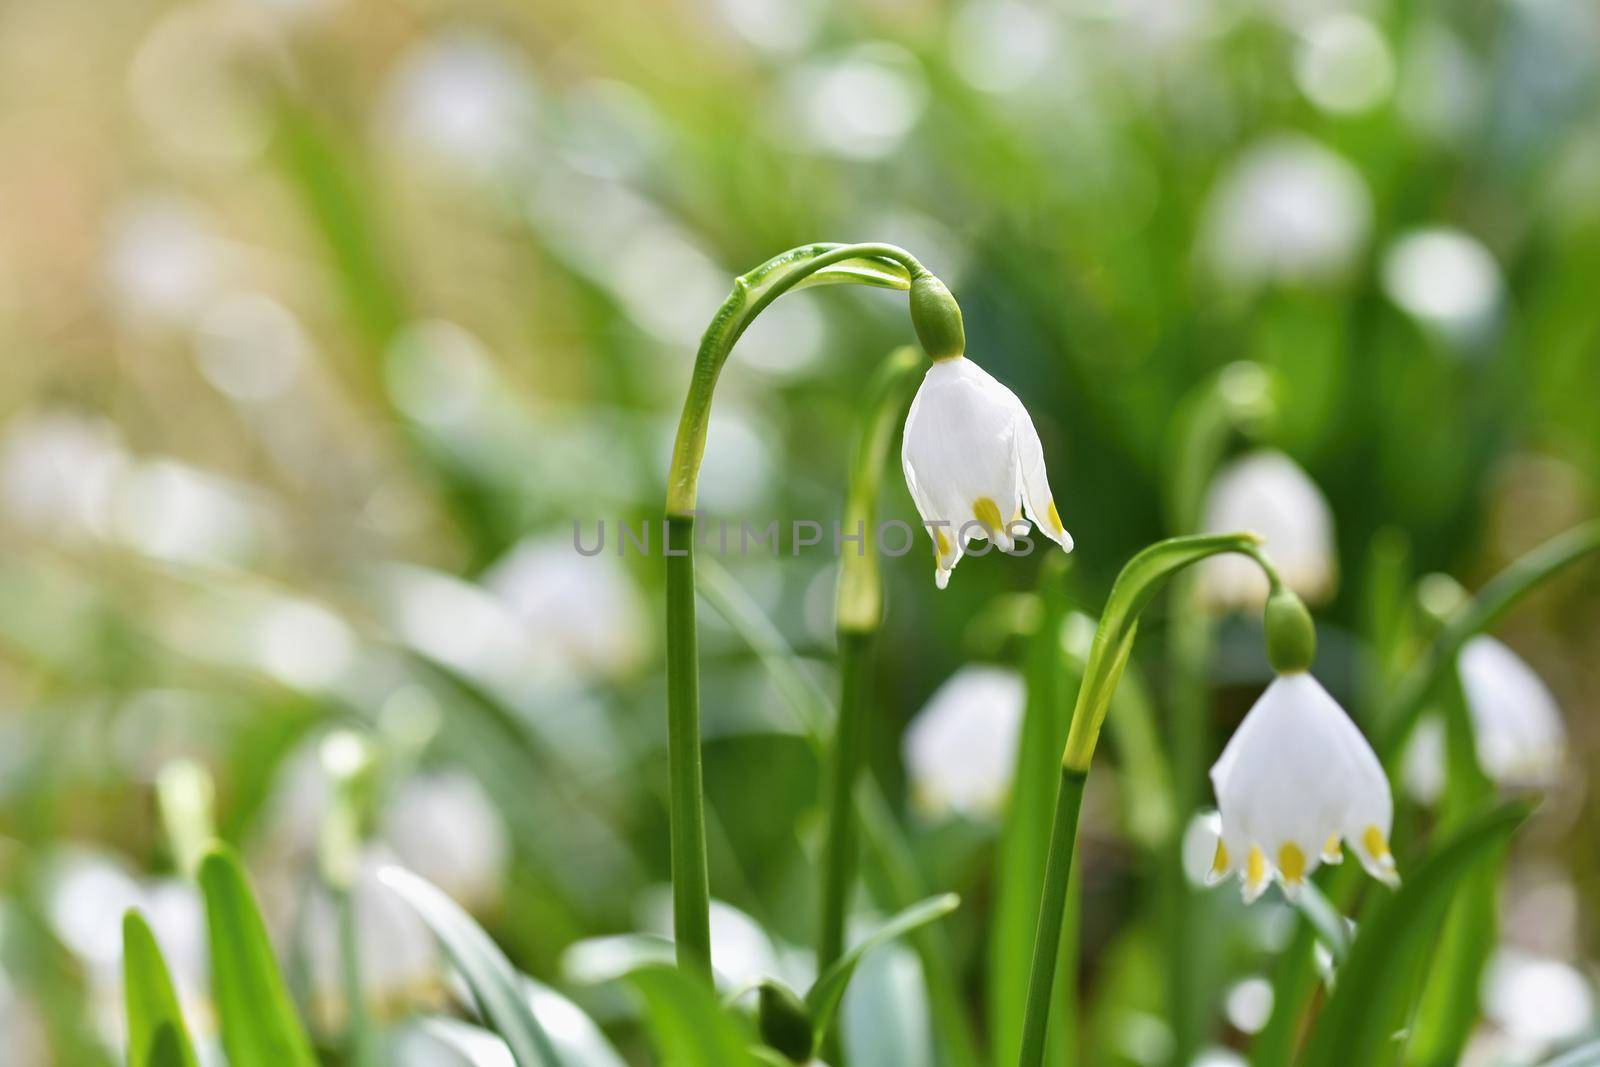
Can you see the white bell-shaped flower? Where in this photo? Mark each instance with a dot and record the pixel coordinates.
(1296, 779)
(961, 749)
(974, 464)
(1267, 493)
(1520, 736)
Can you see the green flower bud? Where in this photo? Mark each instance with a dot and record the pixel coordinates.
(1291, 635)
(937, 318)
(784, 1022)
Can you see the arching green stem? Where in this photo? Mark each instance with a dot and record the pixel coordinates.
(1139, 581)
(859, 613)
(881, 265)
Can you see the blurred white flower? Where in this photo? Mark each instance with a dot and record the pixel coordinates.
(399, 959)
(57, 471)
(1539, 1003)
(961, 749)
(439, 374)
(87, 891)
(1219, 1057)
(973, 463)
(444, 827)
(1517, 725)
(250, 347)
(859, 104)
(163, 260)
(174, 512)
(465, 102)
(1199, 847)
(1446, 279)
(1000, 46)
(588, 608)
(1343, 64)
(782, 26)
(1265, 492)
(1289, 211)
(1296, 778)
(1249, 1004)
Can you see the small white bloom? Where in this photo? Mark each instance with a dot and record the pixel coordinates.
(1266, 492)
(961, 749)
(1520, 736)
(974, 464)
(1296, 779)
(1537, 1002)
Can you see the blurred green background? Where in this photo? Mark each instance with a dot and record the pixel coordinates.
(322, 322)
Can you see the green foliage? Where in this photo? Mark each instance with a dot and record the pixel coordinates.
(1379, 982)
(156, 1033)
(690, 1027)
(258, 1021)
(495, 985)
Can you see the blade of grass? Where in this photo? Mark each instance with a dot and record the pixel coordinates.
(156, 1034)
(259, 1027)
(494, 982)
(824, 997)
(1379, 981)
(690, 1027)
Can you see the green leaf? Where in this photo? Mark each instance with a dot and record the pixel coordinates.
(1332, 929)
(823, 999)
(690, 1028)
(879, 273)
(1379, 981)
(259, 1026)
(493, 981)
(156, 1035)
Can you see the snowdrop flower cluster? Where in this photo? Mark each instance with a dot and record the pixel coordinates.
(972, 458)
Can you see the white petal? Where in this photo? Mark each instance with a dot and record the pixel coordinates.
(1036, 496)
(1520, 736)
(1267, 493)
(960, 750)
(1296, 775)
(959, 453)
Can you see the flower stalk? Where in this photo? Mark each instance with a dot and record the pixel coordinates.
(1141, 578)
(880, 265)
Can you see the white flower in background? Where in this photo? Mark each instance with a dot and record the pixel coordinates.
(999, 46)
(163, 259)
(444, 827)
(1517, 727)
(182, 514)
(1266, 493)
(58, 470)
(588, 608)
(1289, 211)
(858, 105)
(400, 961)
(250, 347)
(1537, 1003)
(464, 102)
(1446, 279)
(1520, 736)
(961, 749)
(973, 463)
(1343, 64)
(1297, 778)
(87, 891)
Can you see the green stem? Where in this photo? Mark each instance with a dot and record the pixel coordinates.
(1052, 914)
(357, 1029)
(1140, 579)
(872, 264)
(839, 853)
(691, 881)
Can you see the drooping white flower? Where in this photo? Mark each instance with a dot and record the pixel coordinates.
(1521, 739)
(974, 464)
(1516, 725)
(1296, 779)
(961, 749)
(1267, 493)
